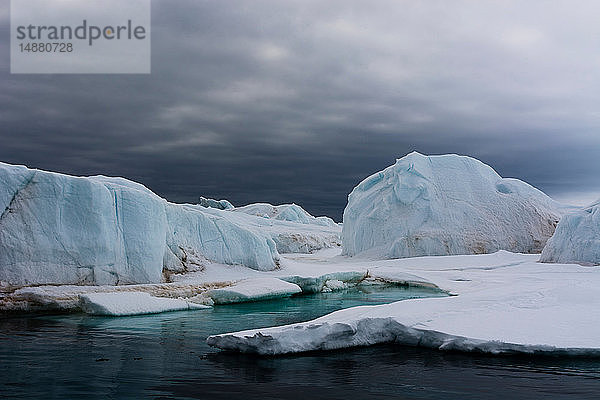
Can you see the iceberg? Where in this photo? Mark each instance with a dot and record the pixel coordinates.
(132, 303)
(218, 204)
(577, 238)
(254, 290)
(285, 212)
(289, 236)
(60, 229)
(445, 205)
(298, 241)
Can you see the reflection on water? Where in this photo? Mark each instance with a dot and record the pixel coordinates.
(165, 356)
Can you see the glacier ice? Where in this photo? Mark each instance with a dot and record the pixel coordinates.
(289, 236)
(306, 235)
(576, 239)
(298, 241)
(60, 229)
(218, 204)
(253, 290)
(442, 205)
(285, 212)
(132, 303)
(316, 284)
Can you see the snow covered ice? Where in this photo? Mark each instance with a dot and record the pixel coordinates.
(59, 229)
(503, 303)
(577, 238)
(285, 212)
(62, 229)
(132, 303)
(254, 290)
(444, 205)
(290, 233)
(218, 204)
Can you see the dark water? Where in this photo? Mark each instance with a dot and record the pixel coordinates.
(165, 356)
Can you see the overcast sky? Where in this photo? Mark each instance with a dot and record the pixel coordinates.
(282, 101)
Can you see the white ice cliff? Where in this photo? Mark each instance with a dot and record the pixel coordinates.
(60, 229)
(577, 238)
(444, 205)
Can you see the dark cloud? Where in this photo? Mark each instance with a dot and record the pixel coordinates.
(298, 101)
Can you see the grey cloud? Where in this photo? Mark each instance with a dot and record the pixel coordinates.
(298, 101)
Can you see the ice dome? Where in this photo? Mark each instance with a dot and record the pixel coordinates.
(445, 205)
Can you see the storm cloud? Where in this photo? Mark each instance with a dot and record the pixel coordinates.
(299, 101)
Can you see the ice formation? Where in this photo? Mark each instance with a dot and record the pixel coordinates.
(132, 303)
(442, 205)
(59, 229)
(289, 236)
(503, 303)
(218, 204)
(576, 239)
(66, 298)
(253, 290)
(285, 212)
(327, 282)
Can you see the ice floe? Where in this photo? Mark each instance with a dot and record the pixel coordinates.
(327, 282)
(503, 303)
(132, 303)
(253, 290)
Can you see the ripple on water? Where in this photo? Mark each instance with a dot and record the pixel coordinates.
(85, 357)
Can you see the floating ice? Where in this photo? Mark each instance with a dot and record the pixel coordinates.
(285, 212)
(218, 204)
(505, 303)
(442, 205)
(333, 285)
(289, 236)
(316, 284)
(60, 229)
(132, 303)
(577, 238)
(254, 290)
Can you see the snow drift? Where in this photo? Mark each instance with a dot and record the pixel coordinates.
(444, 205)
(577, 238)
(60, 229)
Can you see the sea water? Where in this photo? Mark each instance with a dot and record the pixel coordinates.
(164, 356)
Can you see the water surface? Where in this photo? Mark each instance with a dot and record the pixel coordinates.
(165, 356)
